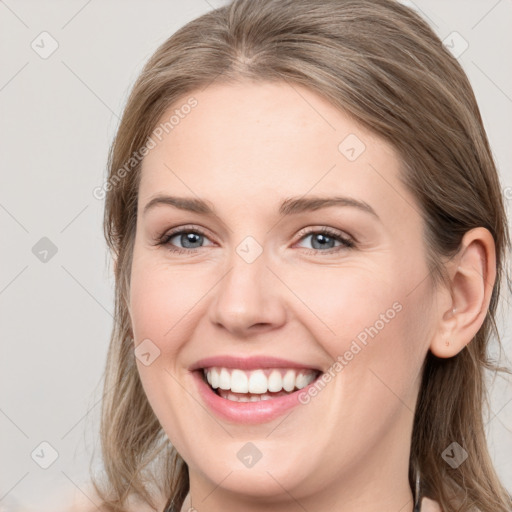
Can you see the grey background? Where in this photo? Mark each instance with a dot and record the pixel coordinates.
(58, 117)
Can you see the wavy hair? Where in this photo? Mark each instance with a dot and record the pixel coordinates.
(380, 63)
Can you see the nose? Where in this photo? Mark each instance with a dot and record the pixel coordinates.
(247, 299)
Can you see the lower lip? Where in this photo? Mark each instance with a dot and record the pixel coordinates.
(247, 412)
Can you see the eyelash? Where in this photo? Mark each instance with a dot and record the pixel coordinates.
(346, 243)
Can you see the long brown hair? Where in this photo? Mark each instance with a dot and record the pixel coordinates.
(379, 62)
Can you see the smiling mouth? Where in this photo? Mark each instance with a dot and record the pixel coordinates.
(239, 385)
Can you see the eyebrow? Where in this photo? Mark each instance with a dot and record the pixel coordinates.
(289, 206)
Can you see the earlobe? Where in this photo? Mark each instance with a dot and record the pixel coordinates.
(472, 276)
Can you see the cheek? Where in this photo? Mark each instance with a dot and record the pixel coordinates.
(373, 323)
(379, 365)
(382, 357)
(339, 305)
(162, 301)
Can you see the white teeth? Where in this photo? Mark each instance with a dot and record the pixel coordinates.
(301, 381)
(239, 382)
(275, 381)
(214, 379)
(257, 382)
(224, 379)
(289, 380)
(247, 397)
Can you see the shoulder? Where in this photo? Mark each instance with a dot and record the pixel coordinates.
(428, 505)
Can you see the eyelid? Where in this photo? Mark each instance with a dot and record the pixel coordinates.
(346, 241)
(325, 229)
(185, 227)
(189, 228)
(301, 234)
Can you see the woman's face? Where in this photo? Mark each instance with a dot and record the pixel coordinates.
(246, 289)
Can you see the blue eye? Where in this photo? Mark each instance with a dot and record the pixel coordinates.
(189, 238)
(323, 240)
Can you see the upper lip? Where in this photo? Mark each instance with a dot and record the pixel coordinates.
(248, 363)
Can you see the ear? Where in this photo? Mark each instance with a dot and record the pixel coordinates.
(472, 275)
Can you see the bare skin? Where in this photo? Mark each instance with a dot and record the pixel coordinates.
(245, 149)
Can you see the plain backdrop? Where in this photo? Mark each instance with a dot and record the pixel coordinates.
(66, 69)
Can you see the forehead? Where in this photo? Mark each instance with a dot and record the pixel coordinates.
(251, 144)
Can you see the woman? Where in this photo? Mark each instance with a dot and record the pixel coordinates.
(309, 238)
